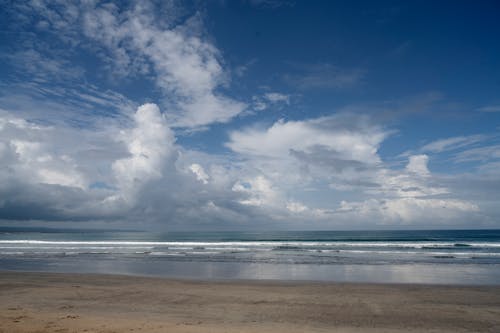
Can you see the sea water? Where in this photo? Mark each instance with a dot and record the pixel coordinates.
(437, 256)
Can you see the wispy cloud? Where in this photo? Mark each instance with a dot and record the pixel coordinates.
(485, 153)
(132, 41)
(478, 148)
(453, 143)
(185, 65)
(42, 68)
(77, 104)
(489, 108)
(270, 100)
(323, 75)
(272, 4)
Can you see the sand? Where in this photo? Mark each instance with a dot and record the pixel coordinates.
(43, 302)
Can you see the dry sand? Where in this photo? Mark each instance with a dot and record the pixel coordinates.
(41, 302)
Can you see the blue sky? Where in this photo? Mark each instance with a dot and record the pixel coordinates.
(181, 115)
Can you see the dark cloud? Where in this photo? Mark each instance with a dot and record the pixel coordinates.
(328, 159)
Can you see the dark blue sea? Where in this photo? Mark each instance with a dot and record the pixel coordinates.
(433, 257)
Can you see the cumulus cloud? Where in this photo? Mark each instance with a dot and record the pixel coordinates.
(410, 211)
(296, 153)
(47, 172)
(259, 191)
(296, 207)
(342, 152)
(410, 196)
(136, 172)
(418, 164)
(199, 172)
(150, 144)
(36, 161)
(81, 162)
(129, 173)
(71, 151)
(358, 143)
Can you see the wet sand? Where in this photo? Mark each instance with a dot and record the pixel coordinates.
(47, 302)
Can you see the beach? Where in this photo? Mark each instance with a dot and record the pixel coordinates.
(55, 302)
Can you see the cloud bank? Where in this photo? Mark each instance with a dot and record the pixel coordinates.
(73, 152)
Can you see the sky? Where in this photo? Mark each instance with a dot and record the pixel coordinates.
(250, 115)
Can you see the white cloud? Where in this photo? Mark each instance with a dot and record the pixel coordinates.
(409, 196)
(410, 211)
(143, 39)
(42, 68)
(200, 173)
(418, 164)
(86, 173)
(310, 153)
(490, 168)
(282, 137)
(139, 172)
(258, 104)
(452, 143)
(296, 207)
(420, 210)
(207, 109)
(275, 97)
(485, 153)
(109, 160)
(404, 184)
(150, 144)
(33, 160)
(37, 163)
(186, 66)
(343, 152)
(270, 100)
(490, 108)
(259, 191)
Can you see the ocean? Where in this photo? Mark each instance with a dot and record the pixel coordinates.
(433, 257)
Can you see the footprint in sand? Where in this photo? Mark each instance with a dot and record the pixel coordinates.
(69, 317)
(18, 319)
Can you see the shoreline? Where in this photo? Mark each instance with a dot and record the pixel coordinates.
(74, 302)
(245, 281)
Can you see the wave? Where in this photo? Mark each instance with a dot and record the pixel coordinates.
(461, 245)
(248, 248)
(267, 256)
(286, 248)
(274, 244)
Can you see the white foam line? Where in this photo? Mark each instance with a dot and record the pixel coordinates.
(257, 243)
